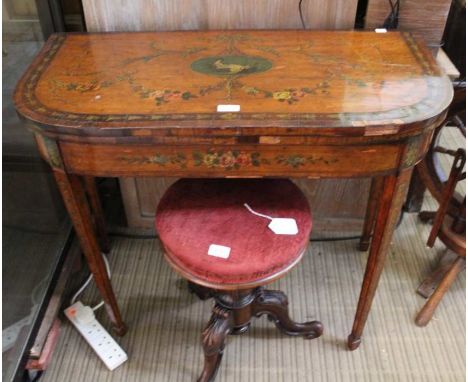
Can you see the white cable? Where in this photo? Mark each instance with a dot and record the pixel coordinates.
(82, 288)
(257, 213)
(88, 280)
(98, 305)
(106, 262)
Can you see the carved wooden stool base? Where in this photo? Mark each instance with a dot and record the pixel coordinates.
(232, 314)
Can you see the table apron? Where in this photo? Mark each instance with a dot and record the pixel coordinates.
(230, 160)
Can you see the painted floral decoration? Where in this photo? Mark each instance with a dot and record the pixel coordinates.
(290, 95)
(159, 159)
(291, 160)
(296, 161)
(82, 87)
(227, 160)
(162, 96)
(294, 95)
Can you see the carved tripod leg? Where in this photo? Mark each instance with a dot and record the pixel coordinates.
(213, 338)
(275, 305)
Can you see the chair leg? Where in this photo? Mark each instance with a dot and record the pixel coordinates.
(428, 286)
(426, 313)
(213, 339)
(275, 305)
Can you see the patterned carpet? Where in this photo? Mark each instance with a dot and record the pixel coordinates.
(165, 321)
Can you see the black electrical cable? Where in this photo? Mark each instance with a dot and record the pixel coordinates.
(391, 22)
(301, 15)
(336, 239)
(132, 235)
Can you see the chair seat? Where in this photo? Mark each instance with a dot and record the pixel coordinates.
(195, 213)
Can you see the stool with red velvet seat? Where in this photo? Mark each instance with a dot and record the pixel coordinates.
(196, 213)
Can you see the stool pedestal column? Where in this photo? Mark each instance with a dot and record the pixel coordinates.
(232, 314)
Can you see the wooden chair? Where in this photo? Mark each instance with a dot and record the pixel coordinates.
(450, 228)
(194, 214)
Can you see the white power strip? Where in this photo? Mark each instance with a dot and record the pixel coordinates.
(110, 352)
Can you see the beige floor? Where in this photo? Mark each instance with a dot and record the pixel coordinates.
(165, 322)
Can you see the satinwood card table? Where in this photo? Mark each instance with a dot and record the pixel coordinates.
(312, 104)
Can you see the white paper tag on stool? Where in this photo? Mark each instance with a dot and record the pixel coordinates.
(219, 251)
(283, 226)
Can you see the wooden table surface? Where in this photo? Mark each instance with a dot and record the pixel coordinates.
(296, 78)
(312, 104)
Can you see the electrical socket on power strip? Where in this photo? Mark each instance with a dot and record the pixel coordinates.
(110, 352)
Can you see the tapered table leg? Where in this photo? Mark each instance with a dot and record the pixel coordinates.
(389, 209)
(97, 212)
(74, 196)
(415, 198)
(371, 212)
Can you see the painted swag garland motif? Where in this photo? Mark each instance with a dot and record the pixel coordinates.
(230, 67)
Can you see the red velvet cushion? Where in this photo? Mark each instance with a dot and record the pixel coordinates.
(195, 213)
